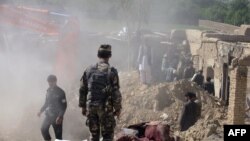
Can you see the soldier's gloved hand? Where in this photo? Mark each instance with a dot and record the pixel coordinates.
(59, 120)
(84, 111)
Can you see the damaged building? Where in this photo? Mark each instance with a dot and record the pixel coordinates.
(225, 57)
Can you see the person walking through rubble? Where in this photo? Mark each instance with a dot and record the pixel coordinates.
(170, 74)
(100, 97)
(189, 71)
(198, 78)
(209, 86)
(55, 106)
(167, 69)
(145, 63)
(189, 113)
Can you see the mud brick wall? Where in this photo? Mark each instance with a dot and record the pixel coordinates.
(238, 86)
(218, 26)
(228, 38)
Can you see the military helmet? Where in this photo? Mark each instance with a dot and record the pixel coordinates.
(104, 51)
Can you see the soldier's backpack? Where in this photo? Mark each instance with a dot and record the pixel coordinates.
(98, 82)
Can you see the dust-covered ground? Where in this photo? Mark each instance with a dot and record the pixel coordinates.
(141, 103)
(162, 102)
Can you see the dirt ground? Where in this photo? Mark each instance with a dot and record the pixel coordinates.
(161, 101)
(164, 102)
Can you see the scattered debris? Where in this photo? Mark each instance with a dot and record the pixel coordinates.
(164, 102)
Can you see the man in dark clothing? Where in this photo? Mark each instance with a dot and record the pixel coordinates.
(198, 78)
(55, 106)
(209, 86)
(189, 71)
(199, 105)
(189, 113)
(100, 97)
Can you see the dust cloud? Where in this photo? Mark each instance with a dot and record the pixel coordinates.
(27, 57)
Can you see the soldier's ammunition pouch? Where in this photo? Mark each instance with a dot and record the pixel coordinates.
(109, 100)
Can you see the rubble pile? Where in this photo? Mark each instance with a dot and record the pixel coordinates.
(164, 102)
(157, 102)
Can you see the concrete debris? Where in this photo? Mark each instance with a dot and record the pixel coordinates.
(164, 116)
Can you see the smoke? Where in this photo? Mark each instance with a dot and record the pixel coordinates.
(22, 87)
(27, 57)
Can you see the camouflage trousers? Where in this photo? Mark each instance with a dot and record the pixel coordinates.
(100, 122)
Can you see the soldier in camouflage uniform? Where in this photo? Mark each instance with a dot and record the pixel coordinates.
(100, 97)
